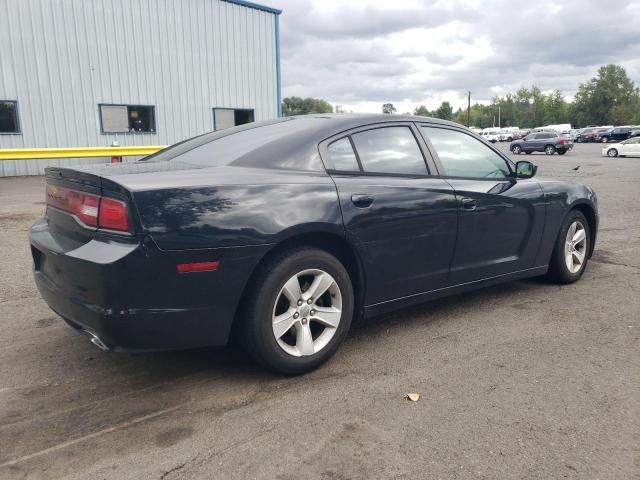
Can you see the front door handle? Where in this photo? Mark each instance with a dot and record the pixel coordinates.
(469, 204)
(361, 200)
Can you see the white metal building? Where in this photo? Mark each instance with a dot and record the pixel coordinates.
(81, 73)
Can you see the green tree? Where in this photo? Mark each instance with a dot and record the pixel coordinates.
(422, 111)
(444, 111)
(609, 98)
(303, 106)
(388, 108)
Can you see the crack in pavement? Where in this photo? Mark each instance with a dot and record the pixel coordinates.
(120, 426)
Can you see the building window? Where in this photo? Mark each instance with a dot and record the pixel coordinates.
(9, 117)
(230, 117)
(128, 118)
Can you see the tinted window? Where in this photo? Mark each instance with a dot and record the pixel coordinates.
(341, 156)
(390, 150)
(463, 156)
(234, 146)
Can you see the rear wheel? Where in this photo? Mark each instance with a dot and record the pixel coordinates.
(570, 254)
(299, 311)
(604, 139)
(549, 149)
(561, 152)
(612, 152)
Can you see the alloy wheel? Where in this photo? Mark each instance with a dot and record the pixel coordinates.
(549, 150)
(575, 247)
(307, 313)
(612, 152)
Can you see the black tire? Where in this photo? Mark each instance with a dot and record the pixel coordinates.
(558, 270)
(561, 152)
(516, 149)
(549, 149)
(255, 332)
(604, 139)
(612, 152)
(527, 152)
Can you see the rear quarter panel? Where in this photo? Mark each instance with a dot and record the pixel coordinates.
(233, 214)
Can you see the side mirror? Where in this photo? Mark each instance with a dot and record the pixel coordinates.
(525, 169)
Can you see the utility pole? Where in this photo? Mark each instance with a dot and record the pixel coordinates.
(469, 109)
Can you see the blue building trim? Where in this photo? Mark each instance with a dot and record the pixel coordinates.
(255, 6)
(278, 79)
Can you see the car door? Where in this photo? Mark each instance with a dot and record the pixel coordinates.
(401, 220)
(500, 218)
(531, 142)
(630, 147)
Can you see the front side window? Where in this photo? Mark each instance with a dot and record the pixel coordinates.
(9, 117)
(462, 155)
(128, 118)
(341, 156)
(391, 150)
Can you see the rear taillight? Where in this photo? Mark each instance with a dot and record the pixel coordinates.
(92, 210)
(563, 140)
(113, 215)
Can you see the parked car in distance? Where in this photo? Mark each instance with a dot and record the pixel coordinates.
(547, 142)
(587, 135)
(635, 132)
(507, 135)
(491, 136)
(571, 137)
(626, 148)
(616, 134)
(283, 230)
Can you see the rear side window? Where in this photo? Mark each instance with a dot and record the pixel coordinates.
(341, 156)
(462, 155)
(391, 150)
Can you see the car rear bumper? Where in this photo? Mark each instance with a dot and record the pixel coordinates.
(131, 297)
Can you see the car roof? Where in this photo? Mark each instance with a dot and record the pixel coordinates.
(289, 142)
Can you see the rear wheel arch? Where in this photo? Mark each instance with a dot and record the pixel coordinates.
(331, 243)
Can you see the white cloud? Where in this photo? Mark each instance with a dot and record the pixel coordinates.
(361, 54)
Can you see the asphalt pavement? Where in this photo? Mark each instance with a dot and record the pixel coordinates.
(522, 380)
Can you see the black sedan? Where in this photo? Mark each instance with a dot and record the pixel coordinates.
(281, 232)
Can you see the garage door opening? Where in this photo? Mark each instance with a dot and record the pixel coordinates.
(231, 117)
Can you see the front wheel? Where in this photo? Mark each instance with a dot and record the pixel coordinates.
(517, 149)
(549, 149)
(298, 312)
(612, 152)
(571, 252)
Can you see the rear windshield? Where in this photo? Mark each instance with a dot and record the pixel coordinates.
(231, 146)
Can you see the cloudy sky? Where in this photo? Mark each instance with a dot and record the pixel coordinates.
(361, 54)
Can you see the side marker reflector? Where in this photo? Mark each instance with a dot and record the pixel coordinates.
(198, 267)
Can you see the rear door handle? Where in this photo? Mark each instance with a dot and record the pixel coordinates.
(469, 204)
(361, 201)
